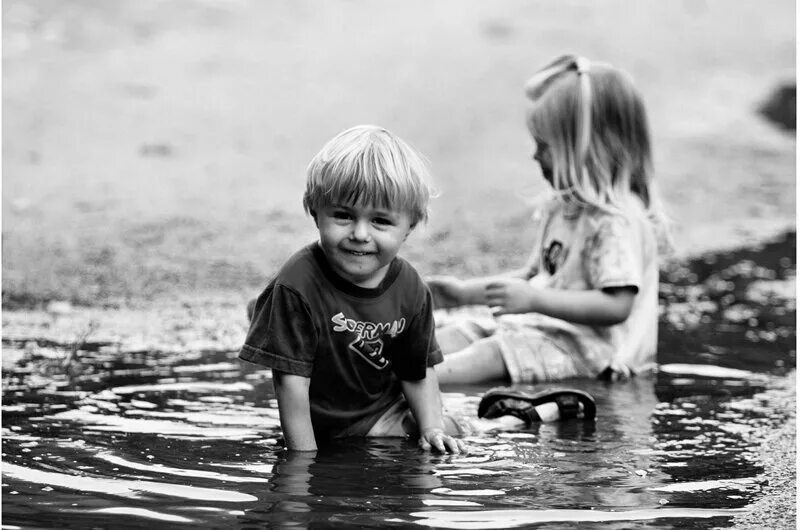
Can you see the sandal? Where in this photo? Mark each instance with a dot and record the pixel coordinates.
(502, 402)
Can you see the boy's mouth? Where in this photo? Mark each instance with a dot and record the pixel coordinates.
(357, 252)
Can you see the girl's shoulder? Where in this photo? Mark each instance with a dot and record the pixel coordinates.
(628, 214)
(630, 211)
(583, 214)
(631, 225)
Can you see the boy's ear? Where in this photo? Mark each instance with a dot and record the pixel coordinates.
(411, 229)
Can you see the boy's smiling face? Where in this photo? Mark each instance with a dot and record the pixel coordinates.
(360, 241)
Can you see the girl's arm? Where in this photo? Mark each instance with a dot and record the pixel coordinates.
(295, 410)
(449, 291)
(425, 402)
(594, 307)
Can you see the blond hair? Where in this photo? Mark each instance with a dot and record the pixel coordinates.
(371, 166)
(594, 120)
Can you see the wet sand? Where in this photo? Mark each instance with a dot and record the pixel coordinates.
(777, 508)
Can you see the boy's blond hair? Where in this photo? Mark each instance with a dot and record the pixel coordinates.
(368, 165)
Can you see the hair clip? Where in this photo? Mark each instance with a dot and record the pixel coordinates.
(581, 65)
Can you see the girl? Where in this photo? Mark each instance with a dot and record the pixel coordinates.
(586, 303)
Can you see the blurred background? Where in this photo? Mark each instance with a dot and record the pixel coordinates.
(154, 149)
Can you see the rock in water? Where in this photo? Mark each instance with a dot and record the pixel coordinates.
(781, 107)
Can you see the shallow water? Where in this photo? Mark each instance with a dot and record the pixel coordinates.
(176, 438)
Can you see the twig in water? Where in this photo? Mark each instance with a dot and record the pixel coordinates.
(71, 363)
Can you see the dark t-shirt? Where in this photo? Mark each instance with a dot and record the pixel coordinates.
(355, 344)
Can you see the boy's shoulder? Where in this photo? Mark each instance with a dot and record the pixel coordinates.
(299, 269)
(407, 274)
(307, 271)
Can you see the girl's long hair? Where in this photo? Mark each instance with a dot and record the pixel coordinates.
(595, 122)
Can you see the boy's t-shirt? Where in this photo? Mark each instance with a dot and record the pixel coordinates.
(355, 344)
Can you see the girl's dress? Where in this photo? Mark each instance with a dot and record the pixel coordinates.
(578, 248)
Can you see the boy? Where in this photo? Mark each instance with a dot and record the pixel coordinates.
(347, 326)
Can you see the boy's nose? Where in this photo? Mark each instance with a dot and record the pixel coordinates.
(361, 231)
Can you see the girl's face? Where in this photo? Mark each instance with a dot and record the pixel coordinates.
(544, 157)
(542, 153)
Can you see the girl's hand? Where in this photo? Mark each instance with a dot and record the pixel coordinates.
(447, 291)
(442, 442)
(510, 295)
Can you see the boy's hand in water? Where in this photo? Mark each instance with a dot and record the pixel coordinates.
(510, 295)
(436, 438)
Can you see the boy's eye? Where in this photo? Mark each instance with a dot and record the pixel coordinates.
(383, 221)
(340, 214)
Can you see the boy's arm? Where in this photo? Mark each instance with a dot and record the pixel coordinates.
(425, 401)
(295, 410)
(594, 307)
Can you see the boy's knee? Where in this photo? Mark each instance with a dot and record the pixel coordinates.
(458, 426)
(611, 374)
(453, 426)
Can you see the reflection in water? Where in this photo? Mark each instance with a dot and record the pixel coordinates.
(192, 438)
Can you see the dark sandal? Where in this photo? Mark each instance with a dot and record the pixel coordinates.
(501, 402)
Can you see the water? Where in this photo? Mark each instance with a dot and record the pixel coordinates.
(179, 438)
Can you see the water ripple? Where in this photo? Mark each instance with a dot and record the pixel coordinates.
(127, 488)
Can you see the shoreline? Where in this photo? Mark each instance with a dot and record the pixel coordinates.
(777, 506)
